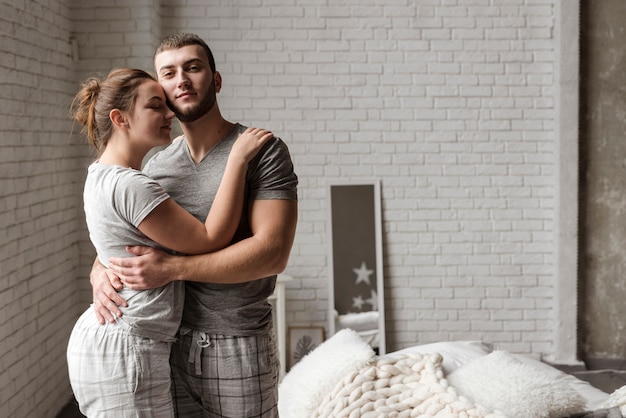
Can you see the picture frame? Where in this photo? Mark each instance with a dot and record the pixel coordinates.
(303, 340)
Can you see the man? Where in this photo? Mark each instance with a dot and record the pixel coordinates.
(225, 362)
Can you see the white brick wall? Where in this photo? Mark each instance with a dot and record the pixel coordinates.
(112, 34)
(450, 103)
(40, 183)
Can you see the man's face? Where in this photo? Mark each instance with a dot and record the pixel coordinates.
(188, 82)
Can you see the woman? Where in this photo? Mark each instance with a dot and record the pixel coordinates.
(122, 369)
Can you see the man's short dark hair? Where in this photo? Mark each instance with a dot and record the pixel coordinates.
(179, 40)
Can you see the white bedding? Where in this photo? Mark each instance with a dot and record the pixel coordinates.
(343, 374)
(459, 353)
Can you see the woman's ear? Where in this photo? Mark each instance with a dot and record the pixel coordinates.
(118, 118)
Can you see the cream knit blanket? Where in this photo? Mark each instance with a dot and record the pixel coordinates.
(400, 386)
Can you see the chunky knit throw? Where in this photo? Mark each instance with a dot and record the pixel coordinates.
(409, 385)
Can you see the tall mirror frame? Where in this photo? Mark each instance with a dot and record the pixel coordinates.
(356, 293)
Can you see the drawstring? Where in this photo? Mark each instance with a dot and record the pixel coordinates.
(195, 350)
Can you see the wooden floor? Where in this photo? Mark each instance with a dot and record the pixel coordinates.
(606, 380)
(70, 411)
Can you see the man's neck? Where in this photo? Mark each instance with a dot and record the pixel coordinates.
(203, 134)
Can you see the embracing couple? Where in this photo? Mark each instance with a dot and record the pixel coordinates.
(181, 326)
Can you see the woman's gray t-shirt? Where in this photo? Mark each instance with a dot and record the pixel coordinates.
(116, 200)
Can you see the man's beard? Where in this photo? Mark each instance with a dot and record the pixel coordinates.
(196, 112)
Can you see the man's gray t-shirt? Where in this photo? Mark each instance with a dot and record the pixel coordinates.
(116, 200)
(233, 309)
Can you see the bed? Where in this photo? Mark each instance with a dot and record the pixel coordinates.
(343, 377)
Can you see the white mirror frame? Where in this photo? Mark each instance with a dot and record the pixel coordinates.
(333, 263)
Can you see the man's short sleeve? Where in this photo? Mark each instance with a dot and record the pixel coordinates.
(272, 174)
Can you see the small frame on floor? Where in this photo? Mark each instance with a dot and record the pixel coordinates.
(303, 340)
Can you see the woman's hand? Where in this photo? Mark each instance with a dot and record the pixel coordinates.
(249, 143)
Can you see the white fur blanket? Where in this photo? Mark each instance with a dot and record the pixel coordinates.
(401, 386)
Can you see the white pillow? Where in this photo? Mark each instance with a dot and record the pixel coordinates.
(499, 381)
(313, 377)
(455, 353)
(617, 399)
(594, 397)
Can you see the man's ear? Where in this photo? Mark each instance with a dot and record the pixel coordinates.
(217, 79)
(118, 118)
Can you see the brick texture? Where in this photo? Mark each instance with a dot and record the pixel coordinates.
(41, 168)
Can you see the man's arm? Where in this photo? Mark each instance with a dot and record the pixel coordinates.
(265, 253)
(104, 286)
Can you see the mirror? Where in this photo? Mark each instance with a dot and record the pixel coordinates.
(356, 296)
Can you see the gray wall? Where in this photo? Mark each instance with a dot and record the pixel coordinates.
(603, 140)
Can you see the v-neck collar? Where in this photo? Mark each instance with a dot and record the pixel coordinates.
(188, 151)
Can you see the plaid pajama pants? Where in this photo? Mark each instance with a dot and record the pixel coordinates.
(216, 376)
(117, 375)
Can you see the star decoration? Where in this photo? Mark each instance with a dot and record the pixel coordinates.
(373, 300)
(363, 274)
(358, 302)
